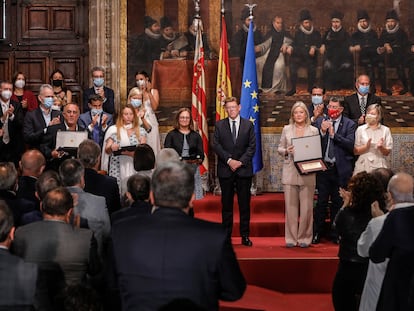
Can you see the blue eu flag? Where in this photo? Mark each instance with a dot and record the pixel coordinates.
(250, 106)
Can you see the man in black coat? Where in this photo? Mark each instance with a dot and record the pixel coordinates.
(306, 44)
(168, 254)
(106, 93)
(235, 144)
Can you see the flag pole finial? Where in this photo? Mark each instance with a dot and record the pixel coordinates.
(251, 6)
(222, 7)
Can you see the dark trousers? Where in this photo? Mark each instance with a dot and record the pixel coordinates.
(242, 186)
(328, 188)
(348, 284)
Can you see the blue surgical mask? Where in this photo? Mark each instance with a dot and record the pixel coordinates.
(94, 111)
(136, 103)
(317, 100)
(98, 82)
(48, 102)
(363, 89)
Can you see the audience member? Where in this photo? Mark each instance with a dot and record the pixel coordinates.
(338, 139)
(96, 121)
(150, 101)
(18, 278)
(11, 125)
(317, 107)
(166, 155)
(394, 43)
(120, 143)
(271, 71)
(106, 93)
(235, 144)
(337, 63)
(188, 144)
(62, 95)
(350, 222)
(208, 272)
(8, 183)
(24, 96)
(306, 44)
(138, 189)
(364, 44)
(355, 105)
(64, 254)
(49, 180)
(396, 242)
(299, 189)
(53, 154)
(89, 154)
(88, 206)
(144, 159)
(36, 122)
(134, 99)
(373, 142)
(32, 165)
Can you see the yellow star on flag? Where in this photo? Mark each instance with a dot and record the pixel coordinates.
(247, 83)
(251, 119)
(254, 94)
(256, 108)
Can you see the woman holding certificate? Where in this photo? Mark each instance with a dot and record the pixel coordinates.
(120, 143)
(299, 189)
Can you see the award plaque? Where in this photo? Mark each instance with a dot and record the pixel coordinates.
(308, 154)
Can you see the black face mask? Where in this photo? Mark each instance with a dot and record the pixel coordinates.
(57, 82)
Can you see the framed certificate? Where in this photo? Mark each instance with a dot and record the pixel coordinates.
(308, 154)
(70, 139)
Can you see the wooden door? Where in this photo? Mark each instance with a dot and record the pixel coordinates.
(41, 36)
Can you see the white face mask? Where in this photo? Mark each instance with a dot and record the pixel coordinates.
(19, 84)
(128, 126)
(6, 94)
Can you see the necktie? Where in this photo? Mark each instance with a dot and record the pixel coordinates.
(331, 151)
(95, 133)
(233, 131)
(362, 104)
(6, 137)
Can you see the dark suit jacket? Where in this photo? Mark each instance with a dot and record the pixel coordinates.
(168, 254)
(34, 125)
(85, 119)
(108, 105)
(351, 105)
(396, 242)
(105, 186)
(27, 188)
(136, 209)
(343, 143)
(17, 281)
(175, 140)
(20, 208)
(243, 150)
(14, 149)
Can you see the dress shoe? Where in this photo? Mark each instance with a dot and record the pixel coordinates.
(336, 240)
(403, 91)
(246, 241)
(386, 91)
(290, 245)
(316, 238)
(303, 245)
(291, 92)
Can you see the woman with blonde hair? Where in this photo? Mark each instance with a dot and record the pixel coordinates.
(298, 189)
(119, 145)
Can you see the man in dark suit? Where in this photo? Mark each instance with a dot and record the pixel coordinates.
(169, 255)
(36, 122)
(11, 123)
(32, 165)
(53, 156)
(17, 278)
(96, 121)
(65, 254)
(138, 189)
(338, 137)
(235, 144)
(355, 105)
(107, 94)
(396, 242)
(106, 186)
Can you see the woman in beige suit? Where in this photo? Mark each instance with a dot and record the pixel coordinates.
(299, 189)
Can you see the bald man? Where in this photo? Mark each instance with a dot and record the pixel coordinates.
(32, 164)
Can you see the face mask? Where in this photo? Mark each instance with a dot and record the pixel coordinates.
(370, 118)
(98, 82)
(128, 126)
(141, 83)
(19, 84)
(363, 89)
(56, 107)
(57, 83)
(136, 103)
(6, 94)
(48, 102)
(94, 111)
(316, 100)
(334, 113)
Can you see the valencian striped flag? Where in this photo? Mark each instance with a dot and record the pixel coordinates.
(199, 105)
(223, 74)
(250, 105)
